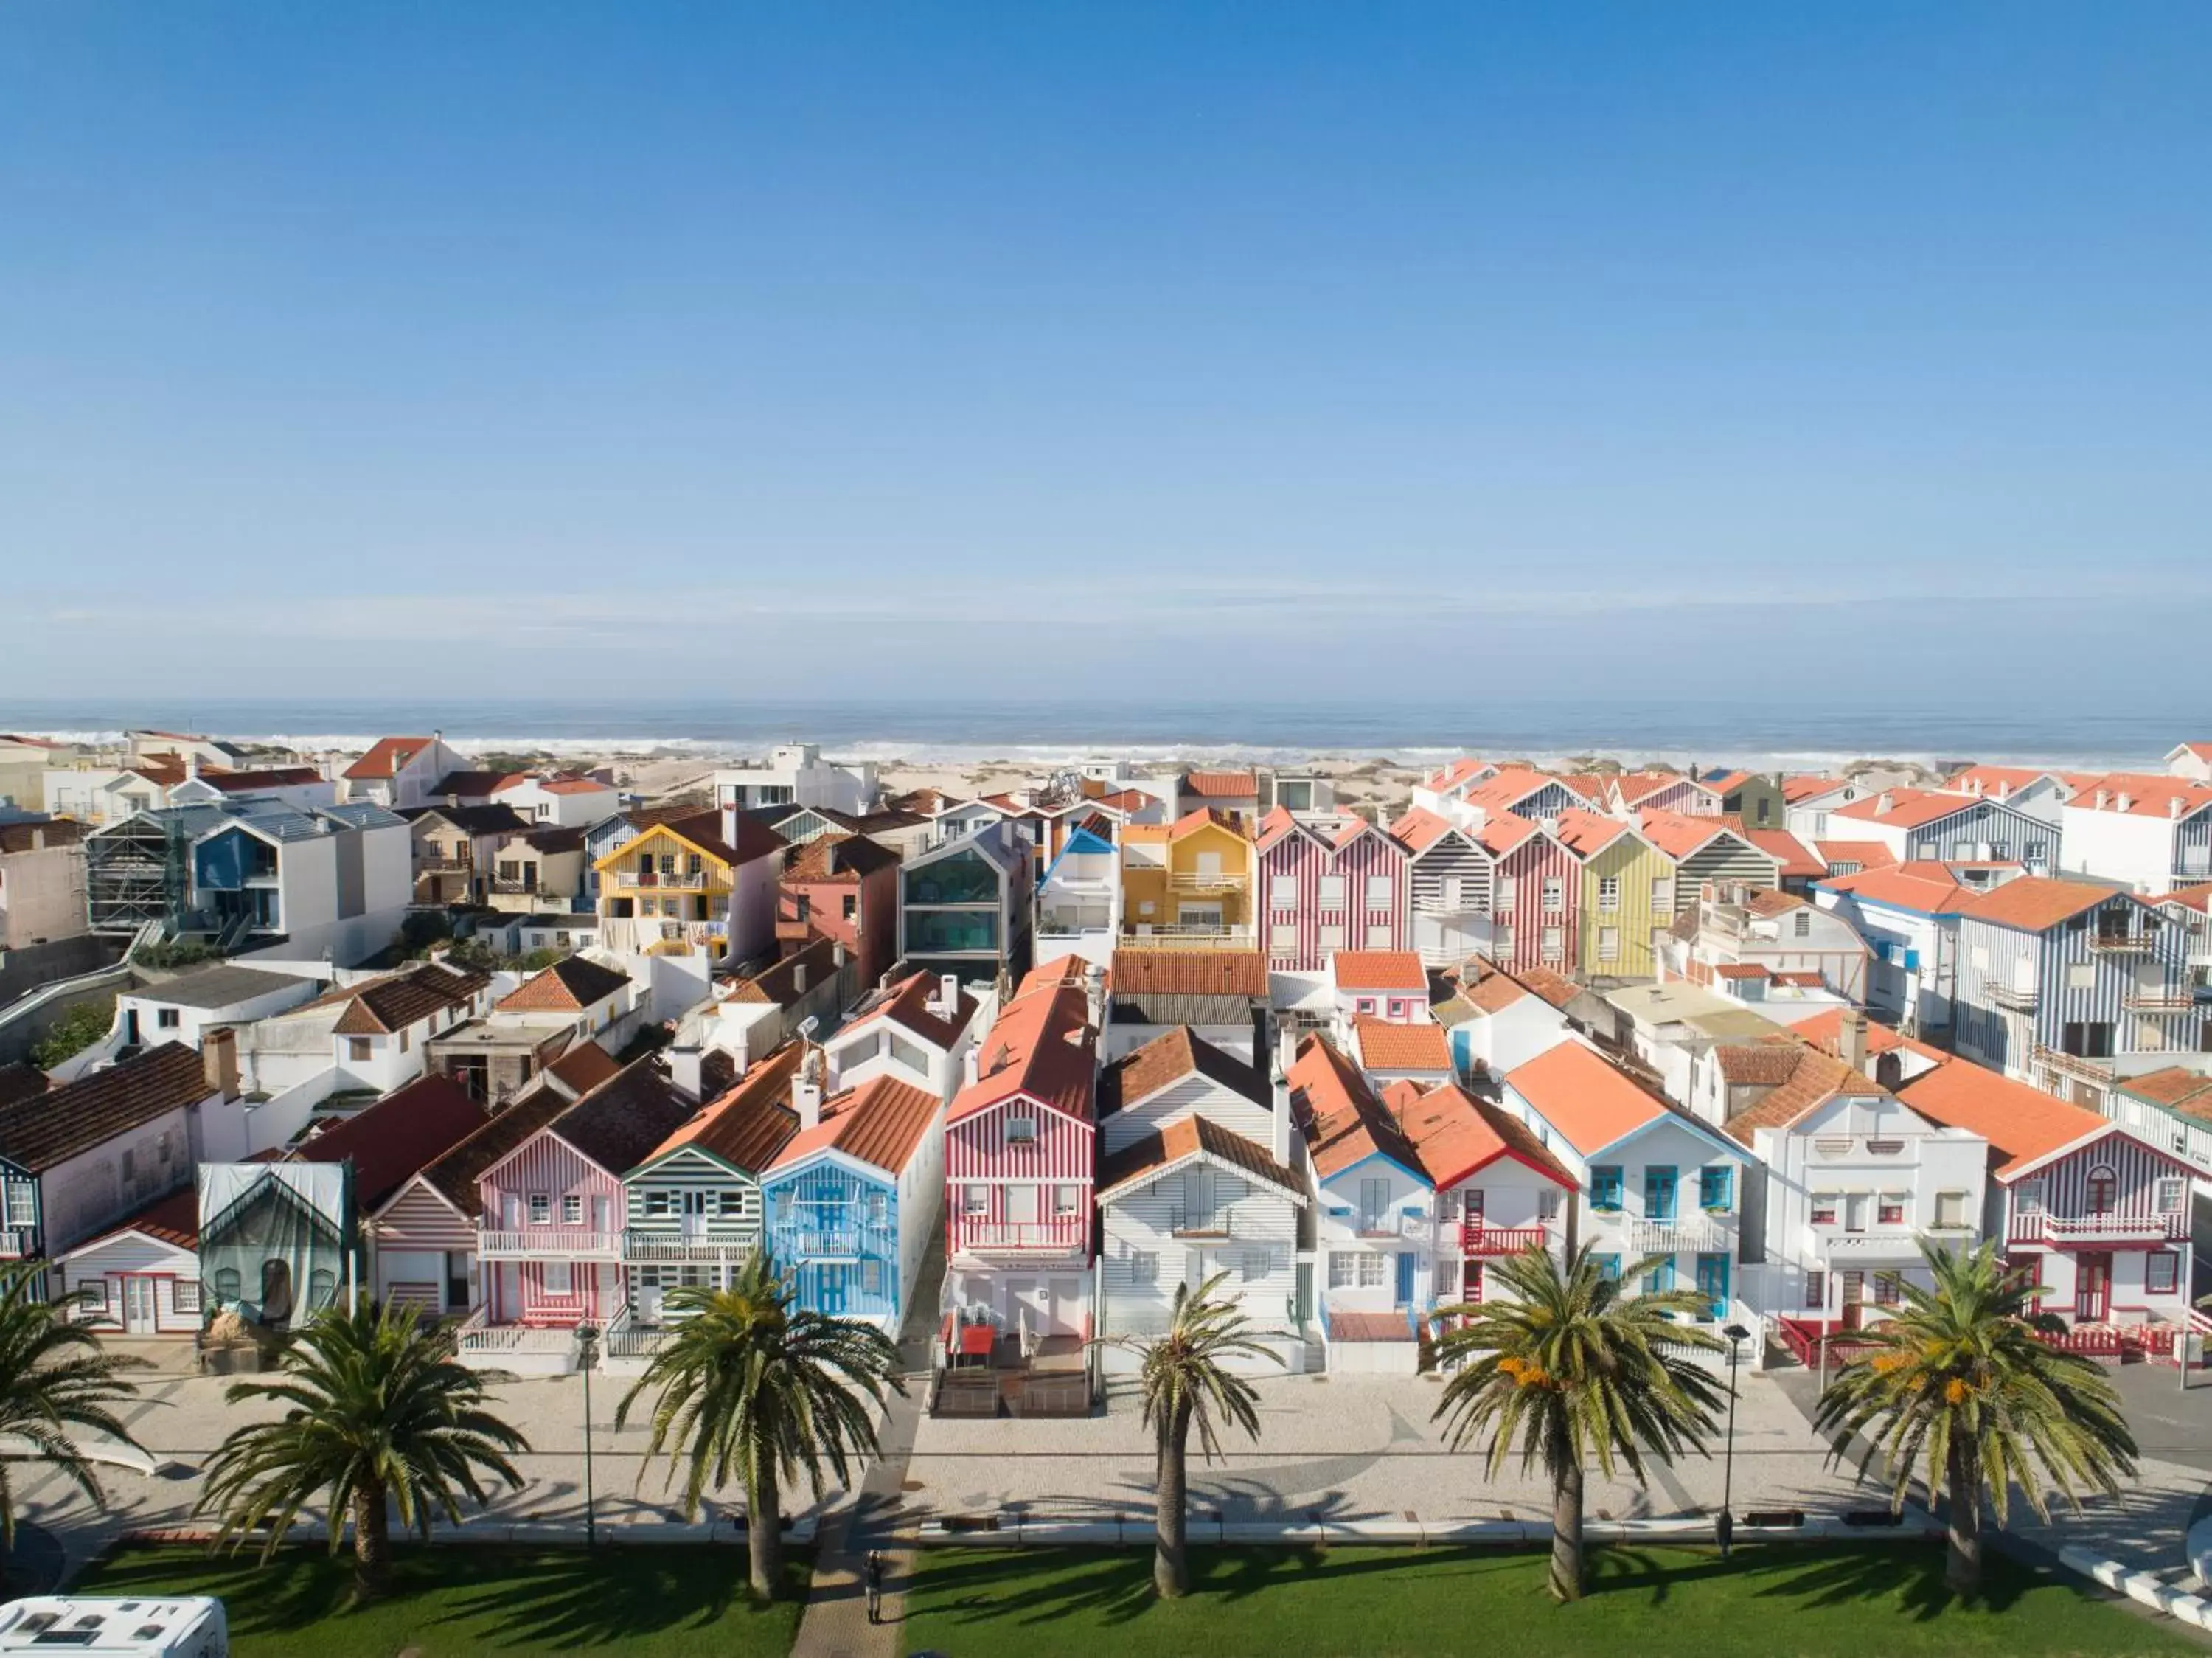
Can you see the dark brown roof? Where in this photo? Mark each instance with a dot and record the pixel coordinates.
(392, 1141)
(584, 1067)
(468, 785)
(1757, 1064)
(174, 1219)
(569, 985)
(747, 1126)
(454, 1175)
(382, 1006)
(704, 830)
(1170, 1057)
(50, 1128)
(1813, 1078)
(44, 834)
(486, 819)
(619, 1123)
(21, 1082)
(838, 857)
(551, 837)
(780, 984)
(1188, 1137)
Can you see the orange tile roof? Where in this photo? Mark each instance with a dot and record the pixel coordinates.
(575, 786)
(1923, 886)
(1421, 829)
(1385, 1046)
(748, 1125)
(1188, 1137)
(1903, 808)
(2198, 899)
(1188, 973)
(569, 985)
(2202, 750)
(2032, 903)
(1379, 970)
(387, 757)
(1170, 1057)
(1813, 1077)
(1548, 985)
(1041, 1047)
(1454, 1134)
(879, 1124)
(2148, 794)
(1501, 831)
(2187, 1092)
(1204, 817)
(1584, 832)
(2023, 1125)
(1678, 834)
(1458, 771)
(1630, 787)
(1493, 992)
(1581, 1096)
(1272, 829)
(1867, 854)
(1222, 785)
(1796, 791)
(1797, 859)
(1825, 1031)
(1509, 787)
(1342, 1120)
(1992, 782)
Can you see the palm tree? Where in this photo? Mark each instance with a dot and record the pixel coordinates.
(1186, 1384)
(54, 1377)
(757, 1387)
(1570, 1366)
(380, 1410)
(1958, 1383)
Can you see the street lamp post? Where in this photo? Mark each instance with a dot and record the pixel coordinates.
(1724, 1528)
(587, 1339)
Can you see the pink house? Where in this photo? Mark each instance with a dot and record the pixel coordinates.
(1328, 886)
(549, 1233)
(1536, 895)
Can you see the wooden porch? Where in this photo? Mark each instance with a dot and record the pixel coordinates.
(984, 1372)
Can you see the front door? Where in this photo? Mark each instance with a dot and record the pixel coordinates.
(695, 1214)
(1854, 1298)
(1470, 1287)
(1405, 1296)
(137, 1306)
(1305, 1293)
(830, 1287)
(1713, 1284)
(2092, 1287)
(1066, 1306)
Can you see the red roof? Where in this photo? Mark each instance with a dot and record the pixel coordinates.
(1421, 829)
(1582, 1097)
(1796, 791)
(1678, 834)
(1867, 854)
(879, 1124)
(1633, 786)
(2023, 1125)
(1385, 1046)
(1222, 785)
(1925, 887)
(1454, 1134)
(2147, 795)
(1796, 858)
(1042, 1047)
(1501, 831)
(1903, 808)
(1992, 782)
(1379, 970)
(1458, 771)
(1342, 1120)
(240, 782)
(1582, 831)
(396, 1138)
(389, 755)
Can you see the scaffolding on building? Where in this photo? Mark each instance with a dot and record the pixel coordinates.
(138, 871)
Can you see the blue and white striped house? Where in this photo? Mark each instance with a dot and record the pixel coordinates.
(2064, 985)
(853, 1198)
(1927, 826)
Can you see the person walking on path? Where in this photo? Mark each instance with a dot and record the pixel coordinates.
(872, 1574)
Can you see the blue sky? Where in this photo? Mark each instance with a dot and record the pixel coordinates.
(1160, 349)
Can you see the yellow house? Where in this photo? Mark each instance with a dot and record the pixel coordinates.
(668, 892)
(1188, 882)
(1627, 895)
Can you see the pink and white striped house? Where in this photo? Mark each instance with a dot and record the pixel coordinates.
(1536, 894)
(1327, 884)
(1019, 1159)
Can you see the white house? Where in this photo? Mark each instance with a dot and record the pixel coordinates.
(561, 802)
(1499, 1192)
(1078, 900)
(1658, 1185)
(2146, 833)
(371, 1034)
(1386, 984)
(1908, 915)
(180, 1009)
(795, 774)
(1735, 926)
(398, 773)
(918, 1027)
(1496, 1023)
(2192, 760)
(141, 1278)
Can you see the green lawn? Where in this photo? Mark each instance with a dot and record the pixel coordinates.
(464, 1598)
(1778, 1602)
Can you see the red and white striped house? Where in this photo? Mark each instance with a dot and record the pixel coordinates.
(549, 1235)
(1019, 1159)
(1535, 900)
(1328, 885)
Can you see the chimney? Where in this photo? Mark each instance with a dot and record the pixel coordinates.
(837, 956)
(971, 1066)
(806, 1090)
(219, 1060)
(685, 1071)
(1851, 1038)
(2173, 805)
(798, 978)
(1286, 1049)
(2127, 802)
(1885, 804)
(948, 994)
(2103, 796)
(1094, 996)
(192, 763)
(738, 1055)
(1279, 1131)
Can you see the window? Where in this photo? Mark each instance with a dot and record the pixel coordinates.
(1374, 1199)
(656, 1204)
(1144, 1267)
(1804, 923)
(1378, 892)
(94, 1295)
(169, 1018)
(1824, 1208)
(1604, 1186)
(1332, 892)
(1554, 943)
(1816, 1289)
(1661, 1279)
(1021, 1205)
(1021, 1130)
(1980, 956)
(225, 1283)
(668, 863)
(1554, 894)
(1888, 1290)
(1397, 1008)
(1662, 895)
(129, 1165)
(541, 1208)
(2103, 1186)
(975, 1200)
(1370, 1271)
(1332, 938)
(2030, 1197)
(1509, 892)
(572, 1209)
(871, 1277)
(695, 865)
(1340, 1270)
(557, 1281)
(1283, 891)
(358, 1050)
(185, 1294)
(22, 1203)
(1255, 1266)
(1609, 1267)
(1363, 1004)
(1608, 944)
(403, 1040)
(1609, 892)
(733, 1204)
(1547, 1205)
(1889, 1209)
(2162, 1271)
(1066, 1200)
(2170, 1188)
(2081, 975)
(1717, 1188)
(1283, 936)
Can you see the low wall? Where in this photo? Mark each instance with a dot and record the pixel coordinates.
(1130, 1528)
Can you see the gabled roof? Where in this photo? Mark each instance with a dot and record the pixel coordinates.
(749, 1125)
(381, 1007)
(617, 1123)
(1385, 1046)
(1825, 1031)
(1589, 1101)
(1343, 1123)
(221, 985)
(2024, 1127)
(1680, 834)
(906, 1003)
(1169, 1057)
(1813, 1077)
(877, 1123)
(392, 1141)
(1454, 1134)
(839, 857)
(1631, 787)
(1460, 770)
(1379, 970)
(474, 785)
(795, 976)
(1189, 973)
(1584, 832)
(1041, 1047)
(2202, 750)
(1278, 824)
(1513, 785)
(453, 1176)
(1924, 886)
(245, 783)
(1866, 854)
(174, 1220)
(701, 831)
(1500, 831)
(2148, 794)
(1905, 808)
(387, 757)
(2186, 1092)
(1798, 790)
(1184, 1139)
(1995, 782)
(1421, 829)
(485, 819)
(1221, 785)
(568, 985)
(583, 1068)
(2198, 898)
(1757, 1064)
(42, 1130)
(1204, 817)
(1797, 861)
(2034, 903)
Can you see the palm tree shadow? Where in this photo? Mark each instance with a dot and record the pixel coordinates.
(574, 1598)
(1906, 1576)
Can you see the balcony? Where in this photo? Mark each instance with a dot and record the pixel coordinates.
(2011, 998)
(1198, 881)
(2089, 1070)
(833, 1241)
(1064, 1237)
(1145, 936)
(490, 1342)
(1223, 1222)
(17, 1241)
(649, 879)
(673, 1249)
(435, 864)
(2067, 1230)
(2123, 943)
(572, 1243)
(1476, 1239)
(2177, 999)
(1697, 1234)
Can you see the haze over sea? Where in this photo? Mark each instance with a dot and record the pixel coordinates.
(1755, 733)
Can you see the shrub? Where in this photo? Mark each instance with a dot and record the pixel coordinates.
(74, 1032)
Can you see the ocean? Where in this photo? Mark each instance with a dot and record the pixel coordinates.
(1756, 732)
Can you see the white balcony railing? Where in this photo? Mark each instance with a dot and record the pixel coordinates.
(2097, 1229)
(1145, 936)
(1201, 881)
(477, 1338)
(665, 1249)
(2014, 998)
(653, 879)
(1685, 1235)
(1059, 1237)
(2074, 1065)
(550, 1242)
